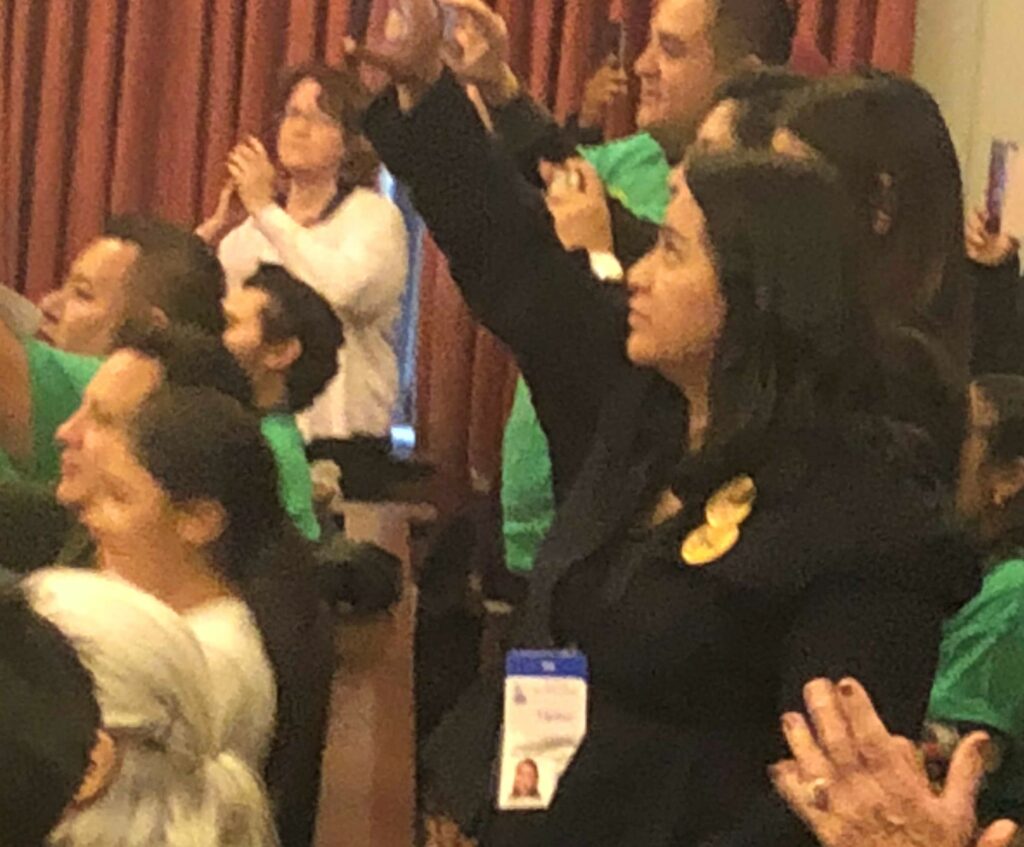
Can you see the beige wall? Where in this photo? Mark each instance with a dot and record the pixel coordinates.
(970, 55)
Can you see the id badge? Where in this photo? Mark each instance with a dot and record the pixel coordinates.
(544, 723)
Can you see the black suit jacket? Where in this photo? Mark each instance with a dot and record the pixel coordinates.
(998, 342)
(846, 567)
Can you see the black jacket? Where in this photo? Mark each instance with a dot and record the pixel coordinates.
(846, 567)
(998, 328)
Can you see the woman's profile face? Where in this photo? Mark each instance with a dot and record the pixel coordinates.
(308, 138)
(676, 308)
(127, 500)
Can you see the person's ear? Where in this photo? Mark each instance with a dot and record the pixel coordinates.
(884, 203)
(281, 356)
(158, 318)
(103, 762)
(201, 522)
(1008, 482)
(750, 62)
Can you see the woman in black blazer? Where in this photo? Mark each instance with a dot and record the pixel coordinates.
(741, 367)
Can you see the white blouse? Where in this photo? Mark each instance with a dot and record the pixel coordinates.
(358, 260)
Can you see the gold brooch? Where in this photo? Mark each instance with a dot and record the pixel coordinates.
(724, 513)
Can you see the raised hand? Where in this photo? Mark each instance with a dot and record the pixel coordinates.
(855, 785)
(984, 247)
(253, 174)
(476, 48)
(610, 81)
(577, 202)
(224, 217)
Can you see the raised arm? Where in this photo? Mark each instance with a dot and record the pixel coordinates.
(498, 236)
(362, 271)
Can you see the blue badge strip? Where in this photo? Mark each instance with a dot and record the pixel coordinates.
(554, 663)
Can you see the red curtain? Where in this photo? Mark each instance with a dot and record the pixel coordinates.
(114, 106)
(118, 105)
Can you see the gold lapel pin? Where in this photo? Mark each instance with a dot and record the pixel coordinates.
(724, 513)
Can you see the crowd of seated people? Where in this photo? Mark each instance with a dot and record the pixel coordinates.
(763, 476)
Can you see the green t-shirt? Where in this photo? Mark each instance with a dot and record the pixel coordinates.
(527, 498)
(980, 679)
(294, 480)
(57, 381)
(635, 172)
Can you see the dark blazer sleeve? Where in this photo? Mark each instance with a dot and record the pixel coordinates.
(884, 635)
(997, 319)
(565, 328)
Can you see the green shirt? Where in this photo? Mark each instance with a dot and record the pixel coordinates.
(57, 381)
(527, 498)
(635, 172)
(980, 679)
(294, 481)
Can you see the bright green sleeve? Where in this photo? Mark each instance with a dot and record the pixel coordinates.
(58, 381)
(981, 664)
(294, 481)
(527, 493)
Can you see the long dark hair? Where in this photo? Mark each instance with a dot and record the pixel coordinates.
(199, 444)
(793, 349)
(202, 445)
(876, 126)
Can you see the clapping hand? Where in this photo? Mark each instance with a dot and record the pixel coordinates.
(253, 174)
(224, 217)
(855, 785)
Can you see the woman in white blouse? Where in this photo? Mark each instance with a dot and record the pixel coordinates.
(331, 230)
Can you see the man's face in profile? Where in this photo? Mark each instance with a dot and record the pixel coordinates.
(86, 312)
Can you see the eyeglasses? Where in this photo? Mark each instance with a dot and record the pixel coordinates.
(318, 119)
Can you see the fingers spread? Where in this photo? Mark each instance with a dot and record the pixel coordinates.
(830, 724)
(809, 757)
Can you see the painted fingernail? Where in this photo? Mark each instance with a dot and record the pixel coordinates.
(847, 688)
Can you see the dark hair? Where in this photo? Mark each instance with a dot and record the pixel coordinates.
(190, 358)
(345, 99)
(199, 444)
(176, 271)
(296, 311)
(759, 94)
(762, 28)
(34, 527)
(202, 445)
(875, 124)
(793, 351)
(49, 718)
(1005, 393)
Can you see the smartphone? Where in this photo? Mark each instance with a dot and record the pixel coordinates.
(999, 165)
